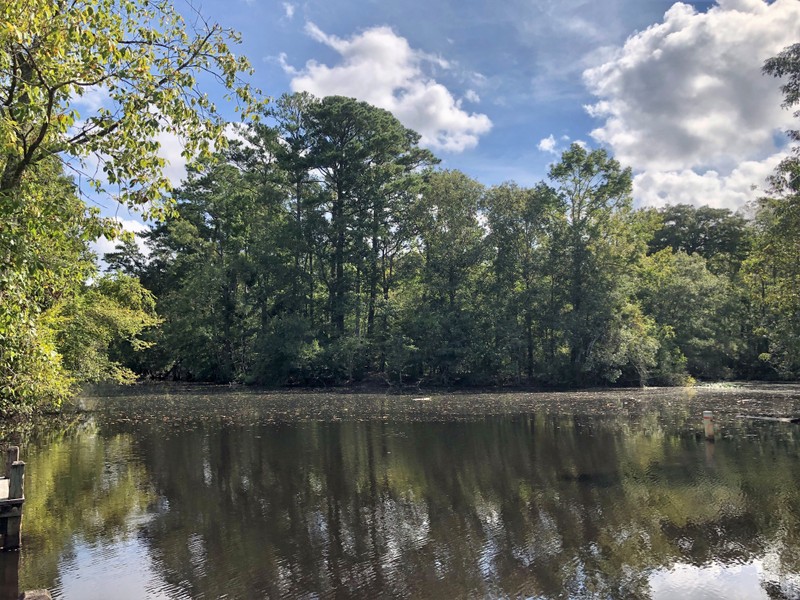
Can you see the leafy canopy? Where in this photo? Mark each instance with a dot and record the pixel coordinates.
(145, 63)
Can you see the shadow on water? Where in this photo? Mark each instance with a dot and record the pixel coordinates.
(204, 493)
(9, 575)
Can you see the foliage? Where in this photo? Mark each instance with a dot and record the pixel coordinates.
(718, 235)
(698, 310)
(146, 63)
(44, 259)
(773, 269)
(282, 259)
(598, 242)
(114, 310)
(143, 68)
(773, 275)
(521, 224)
(57, 331)
(446, 322)
(322, 248)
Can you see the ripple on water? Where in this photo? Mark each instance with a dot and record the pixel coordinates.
(710, 582)
(122, 570)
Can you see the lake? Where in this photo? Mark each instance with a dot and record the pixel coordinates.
(215, 492)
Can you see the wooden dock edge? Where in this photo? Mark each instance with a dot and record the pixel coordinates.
(11, 506)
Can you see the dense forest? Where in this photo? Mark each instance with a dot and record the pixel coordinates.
(320, 244)
(324, 246)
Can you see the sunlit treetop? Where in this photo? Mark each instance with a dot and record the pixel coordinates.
(146, 62)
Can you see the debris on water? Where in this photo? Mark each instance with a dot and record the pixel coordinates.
(770, 418)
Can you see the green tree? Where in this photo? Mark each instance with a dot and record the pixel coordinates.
(142, 57)
(212, 289)
(521, 224)
(773, 270)
(110, 314)
(44, 260)
(148, 66)
(444, 318)
(717, 234)
(698, 312)
(598, 242)
(126, 257)
(291, 115)
(363, 154)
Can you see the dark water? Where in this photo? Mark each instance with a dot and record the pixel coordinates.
(219, 493)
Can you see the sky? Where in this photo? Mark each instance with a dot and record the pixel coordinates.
(499, 89)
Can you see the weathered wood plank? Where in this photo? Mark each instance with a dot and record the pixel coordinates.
(12, 538)
(12, 495)
(10, 510)
(12, 456)
(16, 482)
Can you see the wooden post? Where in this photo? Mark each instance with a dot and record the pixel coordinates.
(12, 456)
(16, 483)
(12, 539)
(708, 423)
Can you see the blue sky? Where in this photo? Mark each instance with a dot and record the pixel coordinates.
(498, 89)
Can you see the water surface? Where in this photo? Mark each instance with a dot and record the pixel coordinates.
(176, 492)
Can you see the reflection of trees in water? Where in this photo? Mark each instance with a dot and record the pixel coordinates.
(80, 487)
(529, 506)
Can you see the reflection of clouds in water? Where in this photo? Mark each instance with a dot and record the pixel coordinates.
(407, 528)
(493, 527)
(737, 581)
(127, 563)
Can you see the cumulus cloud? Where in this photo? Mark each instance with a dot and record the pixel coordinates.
(733, 190)
(548, 144)
(380, 67)
(685, 104)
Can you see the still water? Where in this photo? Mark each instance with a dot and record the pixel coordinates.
(174, 492)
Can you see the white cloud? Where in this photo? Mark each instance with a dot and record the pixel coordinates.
(91, 99)
(548, 144)
(472, 96)
(170, 150)
(556, 147)
(685, 104)
(288, 10)
(380, 67)
(733, 190)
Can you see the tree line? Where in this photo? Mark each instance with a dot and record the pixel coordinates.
(324, 246)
